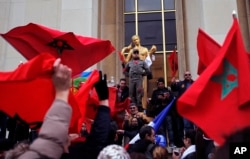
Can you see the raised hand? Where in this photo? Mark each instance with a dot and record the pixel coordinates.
(102, 87)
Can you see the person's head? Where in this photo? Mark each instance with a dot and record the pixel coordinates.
(187, 76)
(160, 152)
(134, 122)
(189, 137)
(135, 54)
(160, 83)
(136, 40)
(122, 83)
(113, 152)
(133, 109)
(147, 133)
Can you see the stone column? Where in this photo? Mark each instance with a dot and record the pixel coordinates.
(111, 28)
(182, 64)
(244, 20)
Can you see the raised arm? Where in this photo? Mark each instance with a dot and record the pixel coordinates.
(53, 135)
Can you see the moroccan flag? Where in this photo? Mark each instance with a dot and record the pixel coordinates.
(207, 50)
(76, 51)
(218, 101)
(173, 62)
(28, 92)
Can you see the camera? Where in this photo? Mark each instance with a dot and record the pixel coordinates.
(176, 153)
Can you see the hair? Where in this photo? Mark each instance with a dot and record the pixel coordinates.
(161, 79)
(122, 79)
(160, 152)
(191, 134)
(113, 152)
(132, 104)
(130, 120)
(145, 130)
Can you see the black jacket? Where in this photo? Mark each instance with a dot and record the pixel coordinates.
(142, 146)
(96, 141)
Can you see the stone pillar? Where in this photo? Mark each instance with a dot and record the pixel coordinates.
(111, 28)
(182, 64)
(244, 20)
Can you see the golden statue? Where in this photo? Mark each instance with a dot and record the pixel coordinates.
(143, 53)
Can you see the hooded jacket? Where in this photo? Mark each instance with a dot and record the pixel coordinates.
(53, 134)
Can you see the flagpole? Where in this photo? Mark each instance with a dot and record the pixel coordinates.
(175, 49)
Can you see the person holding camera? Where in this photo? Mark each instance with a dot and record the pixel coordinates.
(161, 97)
(189, 149)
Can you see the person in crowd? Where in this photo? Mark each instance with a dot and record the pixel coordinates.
(146, 143)
(135, 69)
(134, 112)
(160, 152)
(3, 125)
(100, 129)
(84, 132)
(122, 104)
(130, 130)
(18, 150)
(113, 152)
(205, 147)
(181, 87)
(189, 150)
(52, 140)
(122, 91)
(161, 97)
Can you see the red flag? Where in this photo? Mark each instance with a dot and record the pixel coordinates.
(92, 103)
(120, 111)
(218, 102)
(121, 56)
(28, 91)
(173, 61)
(207, 50)
(83, 94)
(76, 51)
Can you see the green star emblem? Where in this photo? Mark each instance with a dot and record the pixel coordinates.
(228, 79)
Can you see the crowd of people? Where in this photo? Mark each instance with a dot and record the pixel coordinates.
(107, 140)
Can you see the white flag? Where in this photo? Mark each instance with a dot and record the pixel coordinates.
(148, 61)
